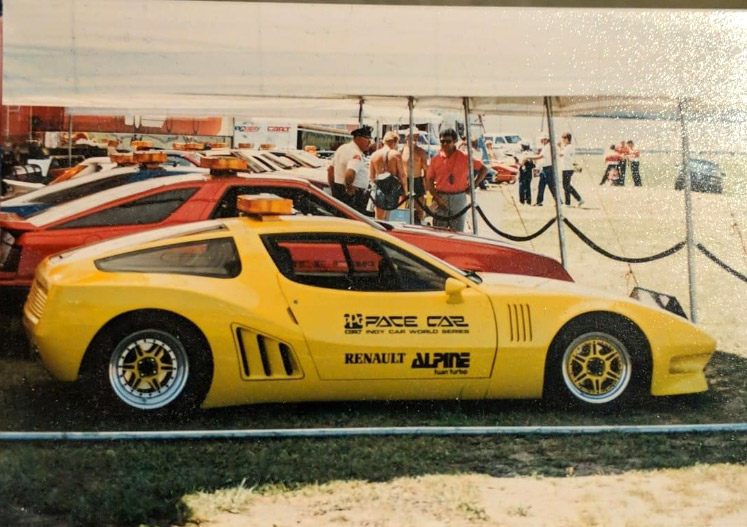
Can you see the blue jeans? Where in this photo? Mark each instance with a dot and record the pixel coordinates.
(547, 179)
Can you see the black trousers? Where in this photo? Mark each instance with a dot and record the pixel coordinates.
(525, 187)
(635, 172)
(358, 200)
(568, 188)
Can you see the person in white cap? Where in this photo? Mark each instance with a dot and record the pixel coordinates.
(348, 174)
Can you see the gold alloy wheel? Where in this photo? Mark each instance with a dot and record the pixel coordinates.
(148, 369)
(596, 368)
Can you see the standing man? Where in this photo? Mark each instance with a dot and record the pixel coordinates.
(421, 166)
(388, 160)
(567, 160)
(623, 150)
(547, 177)
(635, 160)
(526, 171)
(348, 173)
(447, 180)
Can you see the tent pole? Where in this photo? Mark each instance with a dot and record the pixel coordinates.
(558, 183)
(360, 112)
(471, 166)
(411, 164)
(70, 141)
(688, 211)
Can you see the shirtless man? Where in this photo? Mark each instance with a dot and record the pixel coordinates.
(421, 166)
(388, 159)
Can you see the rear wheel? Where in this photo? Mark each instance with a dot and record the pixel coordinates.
(598, 362)
(151, 365)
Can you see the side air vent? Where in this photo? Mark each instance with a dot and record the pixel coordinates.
(265, 358)
(37, 299)
(520, 322)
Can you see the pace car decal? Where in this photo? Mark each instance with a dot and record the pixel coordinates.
(357, 323)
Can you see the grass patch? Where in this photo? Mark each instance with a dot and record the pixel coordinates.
(133, 483)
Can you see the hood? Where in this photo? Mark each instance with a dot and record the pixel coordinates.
(447, 234)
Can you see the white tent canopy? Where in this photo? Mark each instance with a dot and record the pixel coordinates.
(218, 57)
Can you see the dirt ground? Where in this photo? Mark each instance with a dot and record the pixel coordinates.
(701, 496)
(631, 222)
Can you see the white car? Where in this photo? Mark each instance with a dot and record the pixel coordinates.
(503, 143)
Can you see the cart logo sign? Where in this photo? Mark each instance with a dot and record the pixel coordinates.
(357, 323)
(443, 363)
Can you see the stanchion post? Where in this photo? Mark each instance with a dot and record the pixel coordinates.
(471, 166)
(411, 163)
(558, 183)
(70, 141)
(688, 211)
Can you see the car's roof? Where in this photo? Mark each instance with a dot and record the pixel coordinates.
(217, 228)
(83, 204)
(48, 190)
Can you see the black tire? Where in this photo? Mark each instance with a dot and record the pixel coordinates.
(150, 362)
(598, 361)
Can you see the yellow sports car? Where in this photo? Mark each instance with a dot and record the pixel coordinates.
(271, 308)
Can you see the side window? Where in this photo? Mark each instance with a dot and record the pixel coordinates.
(84, 189)
(150, 209)
(354, 263)
(216, 258)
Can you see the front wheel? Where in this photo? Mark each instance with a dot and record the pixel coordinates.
(153, 365)
(598, 362)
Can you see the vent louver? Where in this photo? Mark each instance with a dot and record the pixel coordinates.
(264, 358)
(520, 322)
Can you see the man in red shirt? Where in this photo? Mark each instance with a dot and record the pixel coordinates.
(447, 180)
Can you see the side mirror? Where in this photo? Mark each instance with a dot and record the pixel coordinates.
(454, 290)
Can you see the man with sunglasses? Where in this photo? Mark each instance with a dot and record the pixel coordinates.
(447, 180)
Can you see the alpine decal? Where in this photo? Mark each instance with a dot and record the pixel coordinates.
(447, 363)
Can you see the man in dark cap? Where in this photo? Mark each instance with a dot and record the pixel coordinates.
(349, 172)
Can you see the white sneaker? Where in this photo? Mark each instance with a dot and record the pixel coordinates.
(581, 203)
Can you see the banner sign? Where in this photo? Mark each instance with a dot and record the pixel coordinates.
(258, 132)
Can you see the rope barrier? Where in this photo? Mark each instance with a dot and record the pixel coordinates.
(433, 215)
(601, 251)
(721, 263)
(511, 236)
(373, 199)
(167, 435)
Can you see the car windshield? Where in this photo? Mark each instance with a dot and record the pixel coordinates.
(513, 139)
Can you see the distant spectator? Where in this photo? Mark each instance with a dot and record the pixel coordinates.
(526, 171)
(547, 177)
(634, 155)
(612, 166)
(622, 149)
(567, 161)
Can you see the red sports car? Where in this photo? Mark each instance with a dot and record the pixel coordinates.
(173, 200)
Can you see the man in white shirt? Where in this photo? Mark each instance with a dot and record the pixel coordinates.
(567, 160)
(547, 178)
(348, 173)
